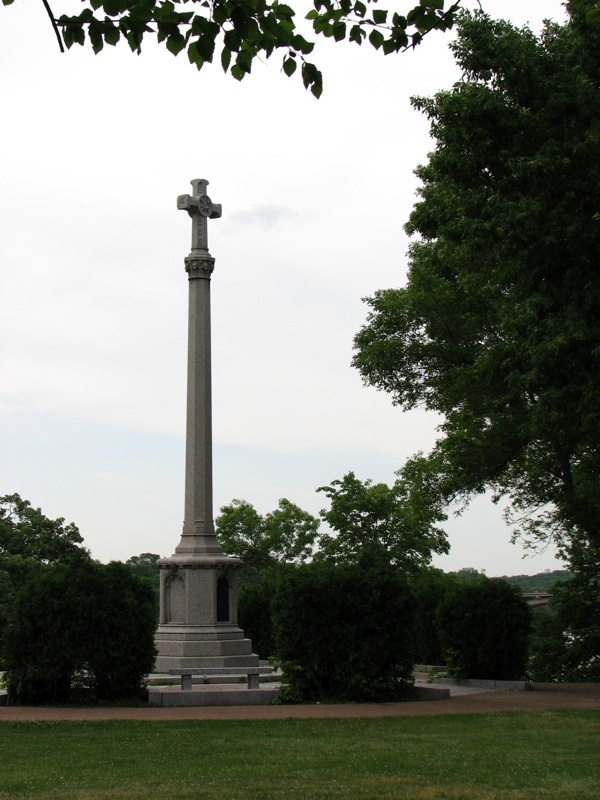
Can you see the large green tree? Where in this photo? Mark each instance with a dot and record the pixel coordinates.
(25, 532)
(242, 30)
(566, 639)
(497, 328)
(284, 536)
(377, 523)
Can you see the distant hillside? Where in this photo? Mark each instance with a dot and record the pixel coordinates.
(542, 582)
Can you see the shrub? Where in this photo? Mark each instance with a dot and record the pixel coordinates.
(80, 626)
(430, 587)
(344, 633)
(254, 615)
(484, 629)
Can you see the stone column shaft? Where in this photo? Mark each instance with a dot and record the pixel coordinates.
(198, 528)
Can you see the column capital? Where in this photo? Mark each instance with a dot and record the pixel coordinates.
(199, 266)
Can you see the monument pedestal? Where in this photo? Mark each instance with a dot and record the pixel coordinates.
(198, 631)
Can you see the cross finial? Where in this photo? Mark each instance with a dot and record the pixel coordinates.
(200, 208)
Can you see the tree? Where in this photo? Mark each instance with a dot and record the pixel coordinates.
(27, 533)
(566, 641)
(285, 535)
(290, 533)
(497, 327)
(245, 31)
(378, 523)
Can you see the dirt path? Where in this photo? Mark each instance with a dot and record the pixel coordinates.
(543, 697)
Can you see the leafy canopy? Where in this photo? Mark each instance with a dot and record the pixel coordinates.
(26, 533)
(377, 523)
(497, 327)
(371, 524)
(285, 535)
(243, 30)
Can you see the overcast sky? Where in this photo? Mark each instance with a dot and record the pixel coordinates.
(93, 326)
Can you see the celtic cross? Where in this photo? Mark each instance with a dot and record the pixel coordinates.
(200, 208)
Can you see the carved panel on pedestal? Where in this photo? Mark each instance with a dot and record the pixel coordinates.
(223, 599)
(175, 598)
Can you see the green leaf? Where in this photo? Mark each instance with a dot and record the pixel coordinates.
(339, 31)
(95, 35)
(164, 12)
(357, 34)
(112, 7)
(194, 56)
(312, 78)
(380, 17)
(205, 47)
(376, 38)
(219, 15)
(111, 33)
(299, 43)
(360, 9)
(237, 72)
(289, 66)
(231, 40)
(225, 58)
(244, 60)
(282, 12)
(390, 46)
(79, 35)
(175, 43)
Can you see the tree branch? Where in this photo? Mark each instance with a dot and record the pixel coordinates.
(54, 25)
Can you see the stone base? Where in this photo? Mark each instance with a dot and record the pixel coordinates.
(212, 695)
(203, 647)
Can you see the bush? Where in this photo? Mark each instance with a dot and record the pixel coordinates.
(430, 587)
(484, 629)
(344, 633)
(254, 614)
(86, 627)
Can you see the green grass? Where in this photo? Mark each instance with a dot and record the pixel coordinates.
(504, 756)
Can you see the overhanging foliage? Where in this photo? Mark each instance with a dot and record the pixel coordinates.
(239, 31)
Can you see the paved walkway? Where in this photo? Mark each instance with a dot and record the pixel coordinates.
(473, 701)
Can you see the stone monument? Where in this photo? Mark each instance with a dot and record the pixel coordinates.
(198, 631)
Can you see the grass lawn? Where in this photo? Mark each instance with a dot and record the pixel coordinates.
(512, 756)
